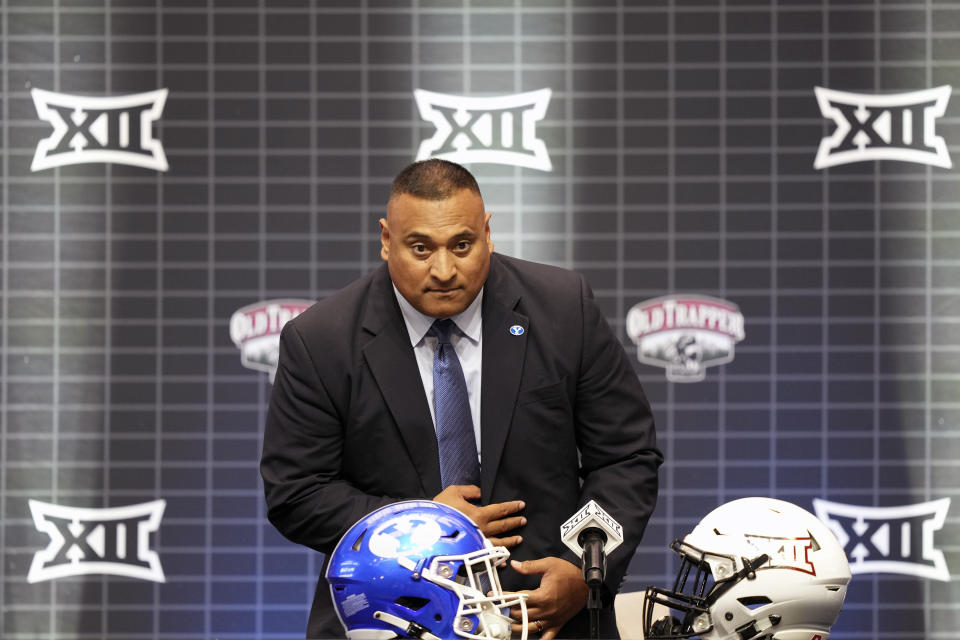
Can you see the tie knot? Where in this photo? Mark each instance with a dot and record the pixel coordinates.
(442, 328)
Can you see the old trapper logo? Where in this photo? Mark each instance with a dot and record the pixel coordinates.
(898, 126)
(685, 334)
(87, 129)
(498, 130)
(889, 539)
(113, 541)
(255, 329)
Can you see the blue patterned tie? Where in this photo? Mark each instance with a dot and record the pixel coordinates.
(451, 404)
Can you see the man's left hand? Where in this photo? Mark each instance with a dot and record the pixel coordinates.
(561, 595)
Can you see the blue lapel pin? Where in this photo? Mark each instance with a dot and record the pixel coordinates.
(516, 330)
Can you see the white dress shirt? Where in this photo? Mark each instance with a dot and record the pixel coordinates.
(466, 342)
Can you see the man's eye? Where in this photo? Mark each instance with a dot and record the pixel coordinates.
(463, 245)
(419, 248)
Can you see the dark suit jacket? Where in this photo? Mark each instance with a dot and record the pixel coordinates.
(563, 419)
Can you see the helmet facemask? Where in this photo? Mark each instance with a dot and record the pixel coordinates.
(483, 612)
(703, 577)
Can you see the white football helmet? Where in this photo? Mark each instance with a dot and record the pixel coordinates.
(753, 569)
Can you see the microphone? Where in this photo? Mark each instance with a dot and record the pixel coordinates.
(592, 534)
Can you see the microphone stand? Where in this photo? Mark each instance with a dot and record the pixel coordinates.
(593, 605)
(594, 564)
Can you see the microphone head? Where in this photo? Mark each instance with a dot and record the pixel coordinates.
(591, 532)
(591, 516)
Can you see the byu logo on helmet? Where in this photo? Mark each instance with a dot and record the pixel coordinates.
(404, 536)
(498, 130)
(115, 129)
(113, 541)
(883, 127)
(889, 539)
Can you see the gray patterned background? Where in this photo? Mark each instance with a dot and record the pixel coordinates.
(682, 138)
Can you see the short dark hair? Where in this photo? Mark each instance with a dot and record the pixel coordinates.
(433, 179)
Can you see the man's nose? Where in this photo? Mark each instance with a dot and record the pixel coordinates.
(443, 266)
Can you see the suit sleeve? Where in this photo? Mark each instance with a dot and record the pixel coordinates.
(615, 435)
(308, 501)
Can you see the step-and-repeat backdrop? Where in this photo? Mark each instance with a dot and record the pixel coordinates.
(763, 195)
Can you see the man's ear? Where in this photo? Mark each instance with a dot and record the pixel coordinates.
(384, 240)
(486, 230)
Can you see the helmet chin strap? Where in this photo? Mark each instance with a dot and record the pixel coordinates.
(409, 628)
(495, 624)
(756, 627)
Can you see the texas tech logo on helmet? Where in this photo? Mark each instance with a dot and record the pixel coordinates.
(889, 539)
(86, 129)
(114, 541)
(685, 334)
(786, 553)
(498, 130)
(898, 126)
(255, 329)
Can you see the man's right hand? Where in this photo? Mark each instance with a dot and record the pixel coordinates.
(493, 519)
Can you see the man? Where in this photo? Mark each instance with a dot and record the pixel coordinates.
(556, 412)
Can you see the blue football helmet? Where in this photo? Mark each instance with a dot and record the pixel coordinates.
(420, 569)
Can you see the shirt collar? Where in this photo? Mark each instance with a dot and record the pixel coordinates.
(468, 320)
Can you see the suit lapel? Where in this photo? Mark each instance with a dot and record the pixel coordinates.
(394, 367)
(503, 356)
